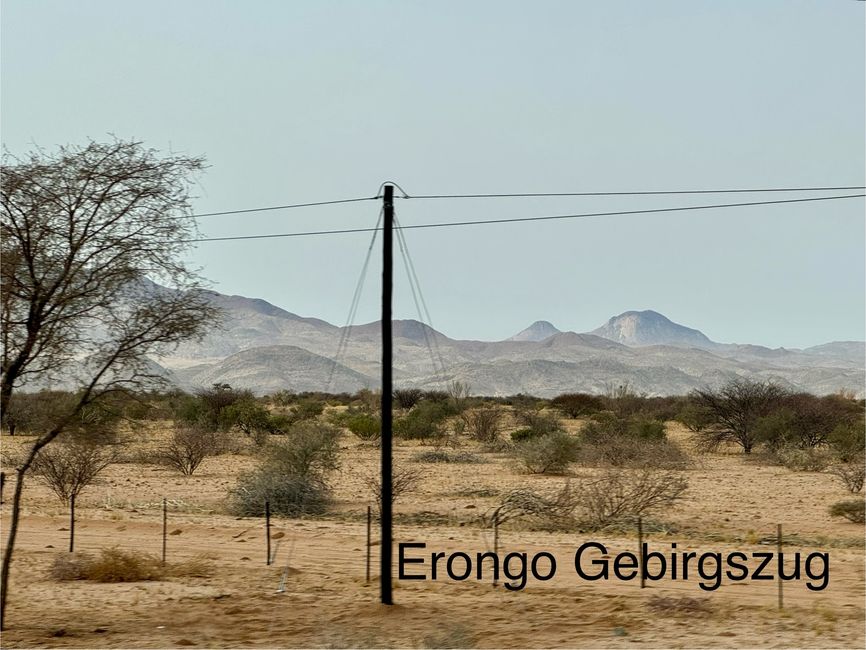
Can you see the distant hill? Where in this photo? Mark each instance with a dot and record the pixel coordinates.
(538, 331)
(265, 348)
(639, 328)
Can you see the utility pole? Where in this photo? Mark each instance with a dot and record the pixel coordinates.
(387, 391)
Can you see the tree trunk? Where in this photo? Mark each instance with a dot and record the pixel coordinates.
(10, 540)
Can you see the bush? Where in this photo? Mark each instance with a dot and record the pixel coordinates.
(484, 423)
(69, 466)
(117, 565)
(424, 422)
(366, 427)
(803, 460)
(293, 474)
(848, 440)
(620, 494)
(442, 456)
(403, 481)
(852, 475)
(188, 447)
(540, 422)
(624, 451)
(290, 496)
(406, 398)
(853, 511)
(548, 454)
(522, 435)
(577, 404)
(694, 417)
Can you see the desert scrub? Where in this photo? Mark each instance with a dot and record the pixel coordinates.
(854, 511)
(117, 565)
(443, 456)
(292, 475)
(547, 454)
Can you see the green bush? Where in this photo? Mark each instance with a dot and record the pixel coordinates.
(290, 496)
(853, 511)
(522, 435)
(548, 454)
(577, 404)
(366, 427)
(848, 440)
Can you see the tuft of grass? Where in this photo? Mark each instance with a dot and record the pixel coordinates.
(442, 456)
(674, 605)
(450, 636)
(117, 565)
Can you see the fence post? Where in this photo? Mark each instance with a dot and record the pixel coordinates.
(369, 529)
(164, 526)
(71, 522)
(2, 483)
(641, 553)
(268, 529)
(779, 553)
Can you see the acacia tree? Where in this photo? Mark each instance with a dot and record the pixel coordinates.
(87, 231)
(735, 409)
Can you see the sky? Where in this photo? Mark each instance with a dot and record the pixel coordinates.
(317, 100)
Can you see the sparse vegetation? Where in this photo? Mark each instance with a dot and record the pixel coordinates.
(854, 511)
(548, 454)
(852, 475)
(118, 565)
(483, 423)
(188, 447)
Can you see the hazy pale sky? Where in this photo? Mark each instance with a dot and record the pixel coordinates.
(295, 101)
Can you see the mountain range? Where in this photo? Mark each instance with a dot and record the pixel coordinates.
(265, 348)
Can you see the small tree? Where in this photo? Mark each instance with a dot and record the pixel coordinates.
(483, 424)
(188, 447)
(83, 231)
(406, 398)
(70, 466)
(577, 404)
(736, 409)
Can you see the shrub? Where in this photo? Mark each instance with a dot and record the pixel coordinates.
(848, 440)
(366, 427)
(450, 635)
(619, 494)
(188, 447)
(406, 398)
(541, 423)
(548, 454)
(803, 460)
(292, 475)
(403, 480)
(311, 449)
(117, 565)
(424, 422)
(852, 475)
(674, 605)
(290, 496)
(577, 404)
(853, 511)
(435, 396)
(624, 451)
(522, 435)
(69, 466)
(694, 417)
(442, 456)
(307, 409)
(484, 423)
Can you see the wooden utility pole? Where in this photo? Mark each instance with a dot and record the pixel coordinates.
(387, 390)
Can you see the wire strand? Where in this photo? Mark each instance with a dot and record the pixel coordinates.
(525, 219)
(634, 193)
(280, 207)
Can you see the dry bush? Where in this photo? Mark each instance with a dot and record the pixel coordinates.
(484, 424)
(853, 511)
(555, 512)
(622, 451)
(852, 475)
(117, 565)
(803, 460)
(403, 481)
(443, 456)
(677, 605)
(620, 494)
(548, 454)
(406, 398)
(188, 447)
(69, 466)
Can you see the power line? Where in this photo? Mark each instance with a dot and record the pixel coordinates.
(634, 193)
(523, 195)
(281, 207)
(524, 219)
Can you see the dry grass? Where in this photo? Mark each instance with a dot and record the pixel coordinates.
(117, 565)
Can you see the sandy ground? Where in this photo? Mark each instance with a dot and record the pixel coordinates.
(731, 505)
